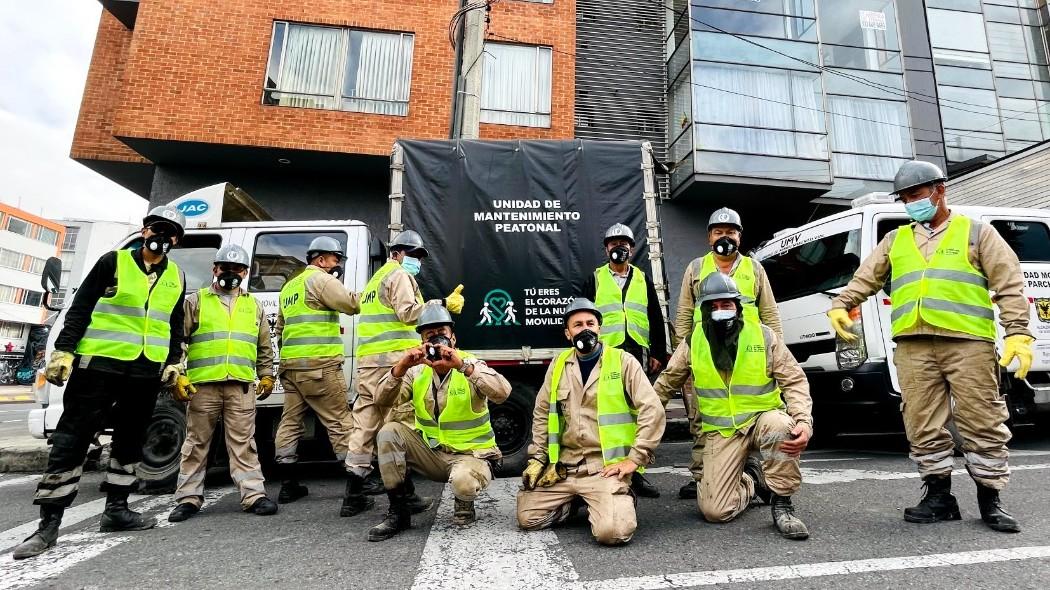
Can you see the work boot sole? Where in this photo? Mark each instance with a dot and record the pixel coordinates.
(464, 520)
(146, 524)
(798, 536)
(1004, 528)
(354, 510)
(375, 536)
(921, 519)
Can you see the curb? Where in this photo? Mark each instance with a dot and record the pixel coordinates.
(24, 459)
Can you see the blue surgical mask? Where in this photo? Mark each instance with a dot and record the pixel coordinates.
(922, 210)
(411, 265)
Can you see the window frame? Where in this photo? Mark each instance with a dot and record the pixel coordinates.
(28, 225)
(341, 235)
(535, 88)
(70, 239)
(40, 235)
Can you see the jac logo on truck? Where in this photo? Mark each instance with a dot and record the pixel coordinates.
(194, 208)
(1042, 308)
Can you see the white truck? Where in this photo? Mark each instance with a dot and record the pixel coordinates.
(855, 387)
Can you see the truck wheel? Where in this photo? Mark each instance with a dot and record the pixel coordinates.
(162, 450)
(512, 421)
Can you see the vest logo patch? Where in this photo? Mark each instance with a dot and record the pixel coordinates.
(1042, 308)
(948, 251)
(368, 298)
(171, 284)
(755, 348)
(290, 300)
(611, 376)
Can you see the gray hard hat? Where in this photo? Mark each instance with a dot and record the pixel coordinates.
(408, 240)
(166, 213)
(581, 304)
(232, 254)
(725, 216)
(434, 314)
(718, 286)
(324, 245)
(619, 230)
(916, 173)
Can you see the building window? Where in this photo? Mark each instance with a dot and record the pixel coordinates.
(70, 241)
(67, 259)
(516, 85)
(18, 226)
(11, 330)
(32, 298)
(10, 259)
(343, 69)
(48, 236)
(36, 265)
(7, 294)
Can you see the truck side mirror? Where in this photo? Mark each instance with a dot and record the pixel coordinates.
(50, 280)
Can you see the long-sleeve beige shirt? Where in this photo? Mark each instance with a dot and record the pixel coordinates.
(191, 305)
(323, 293)
(485, 385)
(768, 313)
(990, 255)
(400, 292)
(580, 443)
(780, 365)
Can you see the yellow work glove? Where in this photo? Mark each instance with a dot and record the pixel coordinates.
(554, 473)
(182, 390)
(169, 374)
(532, 473)
(1018, 346)
(264, 388)
(59, 367)
(454, 301)
(841, 323)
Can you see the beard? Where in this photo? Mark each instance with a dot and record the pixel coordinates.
(723, 342)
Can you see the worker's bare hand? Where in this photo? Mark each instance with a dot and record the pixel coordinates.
(622, 470)
(798, 442)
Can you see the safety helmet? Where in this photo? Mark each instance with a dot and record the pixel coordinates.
(410, 241)
(434, 315)
(232, 254)
(718, 286)
(324, 245)
(581, 304)
(725, 216)
(169, 214)
(916, 173)
(619, 230)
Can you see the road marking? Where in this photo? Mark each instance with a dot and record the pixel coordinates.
(814, 570)
(12, 481)
(10, 421)
(493, 552)
(813, 476)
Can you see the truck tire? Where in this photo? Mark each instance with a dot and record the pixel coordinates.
(162, 450)
(512, 421)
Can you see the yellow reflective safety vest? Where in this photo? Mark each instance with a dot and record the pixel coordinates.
(378, 328)
(947, 291)
(743, 275)
(135, 320)
(457, 426)
(308, 332)
(751, 390)
(620, 315)
(224, 347)
(617, 420)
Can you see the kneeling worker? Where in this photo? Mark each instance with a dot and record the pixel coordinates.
(743, 375)
(453, 439)
(227, 350)
(597, 421)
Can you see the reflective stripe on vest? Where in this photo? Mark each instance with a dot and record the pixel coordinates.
(378, 328)
(946, 292)
(751, 390)
(617, 421)
(308, 332)
(746, 281)
(621, 315)
(225, 346)
(135, 320)
(458, 426)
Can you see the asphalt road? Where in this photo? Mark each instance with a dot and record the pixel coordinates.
(852, 500)
(13, 419)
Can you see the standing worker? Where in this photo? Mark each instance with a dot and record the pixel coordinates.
(597, 420)
(227, 351)
(941, 268)
(724, 231)
(452, 440)
(390, 307)
(121, 339)
(311, 358)
(631, 316)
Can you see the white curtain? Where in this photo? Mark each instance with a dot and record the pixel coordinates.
(722, 94)
(378, 73)
(310, 65)
(867, 126)
(516, 85)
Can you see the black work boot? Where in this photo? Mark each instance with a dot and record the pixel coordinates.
(643, 487)
(416, 504)
(784, 518)
(937, 503)
(118, 517)
(46, 534)
(688, 491)
(183, 511)
(398, 516)
(354, 499)
(993, 514)
(753, 467)
(263, 507)
(291, 489)
(464, 513)
(374, 483)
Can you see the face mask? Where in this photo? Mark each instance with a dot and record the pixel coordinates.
(411, 265)
(585, 342)
(922, 210)
(159, 244)
(229, 281)
(725, 246)
(336, 271)
(721, 315)
(619, 254)
(432, 346)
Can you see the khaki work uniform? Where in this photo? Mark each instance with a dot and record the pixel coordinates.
(234, 402)
(316, 383)
(402, 447)
(688, 296)
(936, 366)
(399, 292)
(610, 502)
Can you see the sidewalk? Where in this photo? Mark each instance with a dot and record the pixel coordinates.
(23, 453)
(16, 394)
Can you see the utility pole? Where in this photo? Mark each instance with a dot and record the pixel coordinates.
(471, 68)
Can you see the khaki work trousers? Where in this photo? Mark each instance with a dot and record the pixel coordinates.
(234, 402)
(935, 371)
(323, 391)
(726, 490)
(367, 417)
(610, 506)
(402, 448)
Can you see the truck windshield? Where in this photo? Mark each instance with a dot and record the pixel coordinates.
(1030, 240)
(195, 256)
(815, 266)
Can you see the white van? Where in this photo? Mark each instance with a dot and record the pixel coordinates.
(855, 387)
